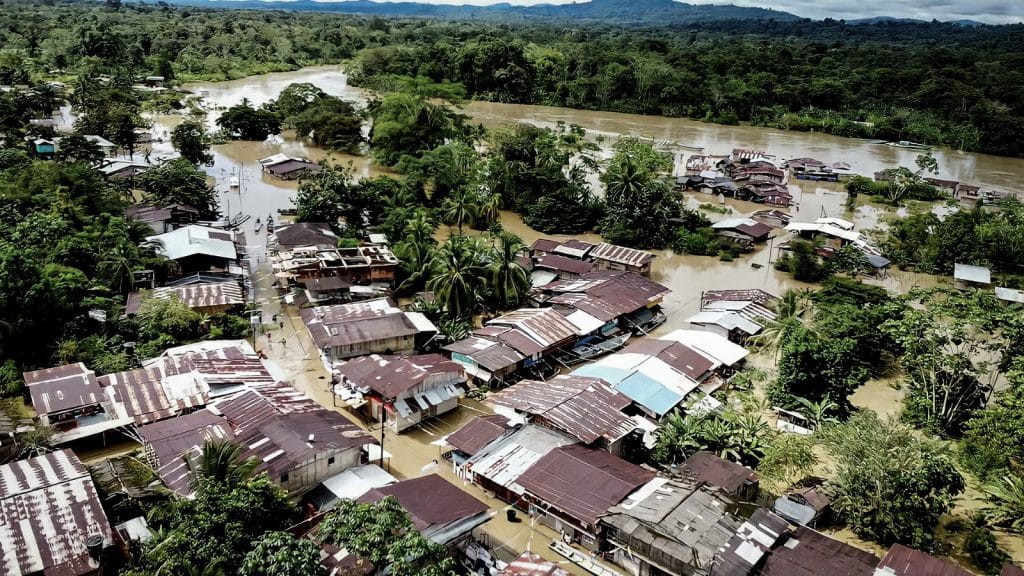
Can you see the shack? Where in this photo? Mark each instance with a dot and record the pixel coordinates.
(498, 466)
(200, 249)
(369, 327)
(744, 231)
(735, 479)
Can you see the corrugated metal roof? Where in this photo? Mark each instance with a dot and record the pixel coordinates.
(809, 553)
(354, 482)
(621, 254)
(204, 295)
(1011, 570)
(356, 323)
(586, 408)
(543, 325)
(716, 471)
(173, 438)
(649, 393)
(63, 388)
(48, 509)
(522, 343)
(713, 345)
(563, 264)
(687, 360)
(750, 544)
(606, 294)
(142, 393)
(903, 561)
(474, 435)
(728, 320)
(581, 482)
(195, 240)
(544, 245)
(504, 461)
(573, 248)
(430, 501)
(282, 443)
(678, 526)
(393, 376)
(530, 564)
(749, 295)
(303, 234)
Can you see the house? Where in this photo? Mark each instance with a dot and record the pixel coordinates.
(51, 517)
(497, 467)
(147, 397)
(804, 506)
(123, 169)
(473, 437)
(765, 192)
(167, 442)
(372, 264)
(725, 323)
(811, 169)
(200, 249)
(300, 234)
(805, 552)
(574, 248)
(289, 168)
(107, 147)
(163, 219)
(729, 355)
(562, 266)
(744, 231)
(773, 218)
(966, 276)
(750, 545)
(440, 511)
(757, 172)
(348, 485)
(687, 360)
(69, 398)
(298, 450)
(205, 298)
(654, 386)
(587, 409)
(543, 247)
(572, 487)
(370, 327)
(1011, 570)
(670, 527)
(618, 300)
(1010, 295)
(487, 360)
(327, 289)
(611, 257)
(735, 479)
(903, 561)
(530, 564)
(410, 389)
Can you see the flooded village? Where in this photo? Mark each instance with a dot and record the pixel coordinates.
(524, 445)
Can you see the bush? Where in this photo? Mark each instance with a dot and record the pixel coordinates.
(698, 243)
(984, 551)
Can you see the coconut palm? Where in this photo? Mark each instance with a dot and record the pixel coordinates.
(220, 462)
(118, 268)
(793, 311)
(509, 280)
(460, 208)
(457, 272)
(490, 207)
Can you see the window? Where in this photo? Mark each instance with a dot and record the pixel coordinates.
(284, 478)
(330, 461)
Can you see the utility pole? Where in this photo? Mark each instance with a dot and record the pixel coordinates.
(383, 424)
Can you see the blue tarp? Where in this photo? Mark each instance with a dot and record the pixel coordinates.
(607, 373)
(648, 393)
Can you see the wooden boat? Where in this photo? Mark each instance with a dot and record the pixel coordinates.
(691, 148)
(586, 352)
(259, 225)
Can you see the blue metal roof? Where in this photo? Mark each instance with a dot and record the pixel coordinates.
(609, 374)
(648, 393)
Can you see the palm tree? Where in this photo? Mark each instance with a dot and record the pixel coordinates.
(460, 208)
(625, 180)
(819, 413)
(793, 311)
(118, 268)
(220, 462)
(1007, 498)
(490, 207)
(458, 270)
(509, 280)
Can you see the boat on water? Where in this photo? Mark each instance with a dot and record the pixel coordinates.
(878, 142)
(691, 148)
(259, 225)
(234, 182)
(270, 224)
(585, 352)
(909, 144)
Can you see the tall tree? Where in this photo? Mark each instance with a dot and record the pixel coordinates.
(510, 282)
(190, 140)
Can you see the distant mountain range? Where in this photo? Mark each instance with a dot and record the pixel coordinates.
(649, 12)
(628, 12)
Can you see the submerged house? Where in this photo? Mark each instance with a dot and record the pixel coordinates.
(288, 168)
(765, 192)
(617, 300)
(742, 230)
(473, 437)
(611, 257)
(409, 389)
(498, 466)
(967, 276)
(726, 323)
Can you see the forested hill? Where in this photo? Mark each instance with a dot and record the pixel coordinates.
(623, 12)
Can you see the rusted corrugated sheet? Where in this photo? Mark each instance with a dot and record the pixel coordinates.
(169, 440)
(581, 482)
(809, 553)
(716, 471)
(477, 433)
(347, 324)
(204, 295)
(752, 295)
(607, 295)
(621, 255)
(430, 501)
(48, 509)
(392, 376)
(282, 443)
(143, 396)
(543, 325)
(564, 264)
(903, 561)
(63, 388)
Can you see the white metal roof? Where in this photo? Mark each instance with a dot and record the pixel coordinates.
(714, 345)
(725, 319)
(194, 239)
(733, 223)
(1010, 294)
(354, 482)
(837, 222)
(827, 229)
(421, 322)
(504, 461)
(584, 323)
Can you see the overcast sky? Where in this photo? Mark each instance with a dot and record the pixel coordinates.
(988, 11)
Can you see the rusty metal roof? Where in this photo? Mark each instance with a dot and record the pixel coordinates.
(621, 254)
(545, 326)
(716, 471)
(48, 509)
(477, 433)
(392, 376)
(755, 295)
(504, 461)
(63, 388)
(1011, 570)
(563, 264)
(282, 444)
(430, 500)
(606, 295)
(347, 324)
(810, 553)
(544, 245)
(585, 408)
(903, 561)
(304, 234)
(142, 394)
(573, 248)
(581, 482)
(169, 440)
(203, 295)
(683, 358)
